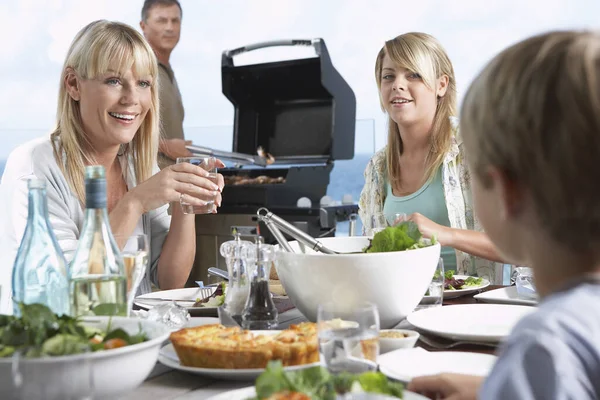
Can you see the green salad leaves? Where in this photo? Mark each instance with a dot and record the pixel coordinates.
(40, 332)
(319, 384)
(404, 236)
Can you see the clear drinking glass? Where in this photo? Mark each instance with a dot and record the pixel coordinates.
(136, 253)
(348, 337)
(434, 296)
(378, 223)
(209, 164)
(525, 283)
(398, 218)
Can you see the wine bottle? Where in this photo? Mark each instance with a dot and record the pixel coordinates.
(97, 272)
(39, 274)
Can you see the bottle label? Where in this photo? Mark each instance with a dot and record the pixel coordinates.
(95, 193)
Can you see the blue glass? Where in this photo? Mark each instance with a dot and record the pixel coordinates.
(39, 273)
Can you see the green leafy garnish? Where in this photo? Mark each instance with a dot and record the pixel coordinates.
(319, 384)
(404, 236)
(472, 281)
(40, 332)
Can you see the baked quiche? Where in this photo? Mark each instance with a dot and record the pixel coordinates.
(217, 346)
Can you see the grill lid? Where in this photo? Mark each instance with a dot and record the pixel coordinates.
(298, 110)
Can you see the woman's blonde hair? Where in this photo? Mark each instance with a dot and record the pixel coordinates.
(97, 48)
(421, 53)
(533, 113)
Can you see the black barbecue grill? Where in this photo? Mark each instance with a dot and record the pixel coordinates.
(303, 113)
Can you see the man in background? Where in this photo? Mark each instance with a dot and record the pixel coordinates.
(161, 25)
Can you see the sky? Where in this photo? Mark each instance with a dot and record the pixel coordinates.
(35, 36)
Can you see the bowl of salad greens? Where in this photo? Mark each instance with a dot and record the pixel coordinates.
(392, 270)
(316, 383)
(43, 355)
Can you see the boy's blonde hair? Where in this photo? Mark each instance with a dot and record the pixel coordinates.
(421, 53)
(97, 48)
(534, 113)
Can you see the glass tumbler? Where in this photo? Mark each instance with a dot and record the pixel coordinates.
(209, 165)
(434, 296)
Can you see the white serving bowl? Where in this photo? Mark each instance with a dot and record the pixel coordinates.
(394, 281)
(387, 344)
(112, 372)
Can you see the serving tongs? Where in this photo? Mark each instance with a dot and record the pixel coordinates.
(277, 224)
(240, 158)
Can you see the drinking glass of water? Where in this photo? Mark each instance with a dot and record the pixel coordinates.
(398, 218)
(434, 296)
(348, 337)
(136, 252)
(209, 164)
(378, 223)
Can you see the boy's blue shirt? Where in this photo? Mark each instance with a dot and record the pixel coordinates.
(553, 353)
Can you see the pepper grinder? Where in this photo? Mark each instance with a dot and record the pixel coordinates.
(238, 254)
(260, 312)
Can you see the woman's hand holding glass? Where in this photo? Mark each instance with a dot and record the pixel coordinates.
(182, 182)
(209, 204)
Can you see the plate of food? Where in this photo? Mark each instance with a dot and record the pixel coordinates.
(43, 355)
(460, 285)
(190, 298)
(236, 354)
(317, 383)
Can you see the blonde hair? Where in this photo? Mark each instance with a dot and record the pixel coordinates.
(533, 113)
(98, 47)
(423, 54)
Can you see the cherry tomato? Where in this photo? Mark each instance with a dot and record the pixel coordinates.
(114, 344)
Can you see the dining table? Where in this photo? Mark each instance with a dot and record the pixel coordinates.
(167, 383)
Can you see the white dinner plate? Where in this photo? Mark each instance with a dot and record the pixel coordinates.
(249, 392)
(451, 294)
(474, 322)
(505, 295)
(168, 357)
(406, 364)
(186, 297)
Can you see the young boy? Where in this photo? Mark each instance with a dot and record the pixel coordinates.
(531, 127)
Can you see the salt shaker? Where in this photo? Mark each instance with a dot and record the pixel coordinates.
(239, 255)
(260, 312)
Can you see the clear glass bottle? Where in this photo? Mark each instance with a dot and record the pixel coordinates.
(39, 274)
(239, 255)
(260, 312)
(97, 272)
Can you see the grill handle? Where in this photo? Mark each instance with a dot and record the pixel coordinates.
(238, 157)
(317, 43)
(268, 217)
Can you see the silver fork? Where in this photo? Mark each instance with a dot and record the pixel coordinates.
(443, 344)
(202, 294)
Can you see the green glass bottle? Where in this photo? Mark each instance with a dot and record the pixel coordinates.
(97, 273)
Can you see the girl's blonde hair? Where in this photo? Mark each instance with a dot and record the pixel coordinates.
(423, 54)
(97, 48)
(533, 113)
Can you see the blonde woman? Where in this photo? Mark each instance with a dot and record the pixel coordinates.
(108, 115)
(421, 172)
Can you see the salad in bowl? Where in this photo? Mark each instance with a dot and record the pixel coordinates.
(44, 355)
